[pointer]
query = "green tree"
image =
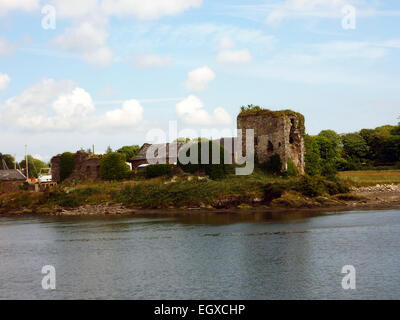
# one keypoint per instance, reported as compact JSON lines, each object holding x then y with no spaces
{"x":67,"y":165}
{"x":354,"y":145}
{"x":8,"y":159}
{"x":396,"y":130}
{"x":113,"y":166}
{"x":332,"y":136}
{"x":328,"y":153}
{"x":130,"y":152}
{"x":312,"y":157}
{"x":34,"y":166}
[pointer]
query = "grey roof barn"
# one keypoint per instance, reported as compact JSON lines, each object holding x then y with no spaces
{"x":11,"y":175}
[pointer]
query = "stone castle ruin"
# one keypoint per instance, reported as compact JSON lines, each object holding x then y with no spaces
{"x":85,"y":167}
{"x":280,"y":132}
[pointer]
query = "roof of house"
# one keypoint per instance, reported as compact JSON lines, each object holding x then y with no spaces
{"x":165,"y":146}
{"x":158,"y":147}
{"x":11,"y":175}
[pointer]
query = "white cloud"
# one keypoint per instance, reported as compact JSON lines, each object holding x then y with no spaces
{"x":153,"y":9}
{"x":234,"y":56}
{"x":307,"y":8}
{"x":151,"y":60}
{"x":89,"y":40}
{"x":5,"y":46}
{"x":49,"y":105}
{"x":26,"y":5}
{"x":130,"y":114}
{"x":191,"y":111}
{"x":78,"y":103}
{"x":75,"y":8}
{"x":4,"y":81}
{"x":199,"y":78}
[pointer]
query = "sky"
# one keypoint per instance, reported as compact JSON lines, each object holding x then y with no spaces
{"x":79,"y":73}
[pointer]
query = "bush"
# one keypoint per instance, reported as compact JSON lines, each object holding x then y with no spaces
{"x":158,"y":170}
{"x":313,"y":186}
{"x":273,"y":164}
{"x":113,"y":167}
{"x":273,"y":191}
{"x":67,"y":165}
{"x":214,"y":171}
{"x":291,"y":170}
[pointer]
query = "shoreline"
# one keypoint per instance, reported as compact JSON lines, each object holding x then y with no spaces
{"x":378,"y":197}
{"x":369,"y":200}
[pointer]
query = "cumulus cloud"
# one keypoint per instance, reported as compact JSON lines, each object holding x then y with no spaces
{"x":234,"y":56}
{"x":49,"y":105}
{"x":199,"y":78}
{"x":26,"y":5}
{"x":130,"y":114}
{"x":145,"y":10}
{"x":151,"y":60}
{"x":4,"y":81}
{"x":191,"y":111}
{"x":89,"y":40}
{"x":5,"y":46}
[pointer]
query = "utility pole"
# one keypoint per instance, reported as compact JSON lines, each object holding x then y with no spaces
{"x":26,"y":162}
{"x":93,"y":149}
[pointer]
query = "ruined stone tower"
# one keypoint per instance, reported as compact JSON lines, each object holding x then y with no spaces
{"x":280,"y":132}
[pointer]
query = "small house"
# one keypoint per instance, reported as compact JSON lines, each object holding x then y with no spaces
{"x":11,"y":180}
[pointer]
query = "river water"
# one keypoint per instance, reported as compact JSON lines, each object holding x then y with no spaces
{"x":219,"y":256}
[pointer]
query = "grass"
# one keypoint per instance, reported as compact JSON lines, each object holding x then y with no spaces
{"x":181,"y":191}
{"x":369,"y":178}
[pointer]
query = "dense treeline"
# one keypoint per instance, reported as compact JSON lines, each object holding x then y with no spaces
{"x":329,"y":152}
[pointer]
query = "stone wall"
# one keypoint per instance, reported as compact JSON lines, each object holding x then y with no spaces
{"x":280,"y":132}
{"x":86,"y":167}
{"x":10,"y":186}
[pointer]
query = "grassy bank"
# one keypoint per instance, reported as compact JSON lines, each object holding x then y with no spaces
{"x":370,"y":178}
{"x":182,"y":192}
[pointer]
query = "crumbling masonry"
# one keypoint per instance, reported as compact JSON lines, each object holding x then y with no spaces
{"x":280,"y":132}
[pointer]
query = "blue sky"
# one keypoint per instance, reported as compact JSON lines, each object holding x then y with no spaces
{"x":111,"y":71}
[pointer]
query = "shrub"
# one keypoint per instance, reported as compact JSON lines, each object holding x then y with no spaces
{"x":113,"y":167}
{"x":158,"y":170}
{"x":273,"y":191}
{"x":67,"y":164}
{"x":313,"y":186}
{"x":273,"y":164}
{"x":291,"y":170}
{"x":214,"y":171}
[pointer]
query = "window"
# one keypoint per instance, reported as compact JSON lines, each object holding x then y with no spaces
{"x":270,"y":147}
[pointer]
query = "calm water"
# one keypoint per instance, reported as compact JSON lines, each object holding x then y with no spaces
{"x":289,"y":256}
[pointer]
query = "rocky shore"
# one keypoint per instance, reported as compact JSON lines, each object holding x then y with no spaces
{"x":362,"y":198}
